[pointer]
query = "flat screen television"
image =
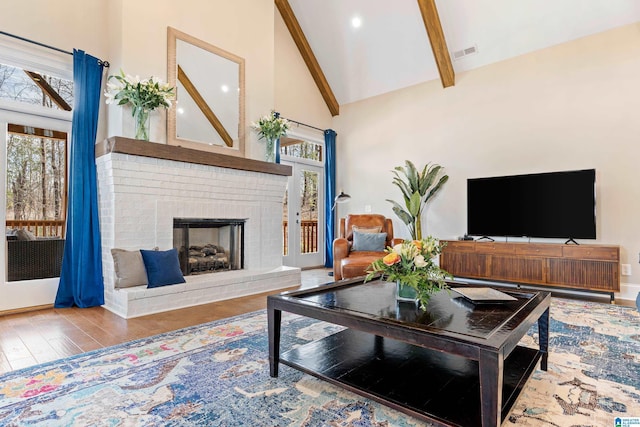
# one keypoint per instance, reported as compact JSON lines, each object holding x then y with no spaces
{"x":552,"y":205}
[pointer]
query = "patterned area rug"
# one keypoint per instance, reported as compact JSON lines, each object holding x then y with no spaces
{"x":217,"y":374}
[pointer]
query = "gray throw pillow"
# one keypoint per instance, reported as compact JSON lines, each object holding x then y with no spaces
{"x":373,"y":242}
{"x":129,"y":268}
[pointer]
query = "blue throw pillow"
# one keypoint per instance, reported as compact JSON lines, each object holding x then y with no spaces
{"x":369,"y":241}
{"x":163,"y":267}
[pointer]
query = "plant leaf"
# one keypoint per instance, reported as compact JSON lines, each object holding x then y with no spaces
{"x":415,"y":203}
{"x":400,"y":212}
{"x":412,"y":176}
{"x":436,"y":188}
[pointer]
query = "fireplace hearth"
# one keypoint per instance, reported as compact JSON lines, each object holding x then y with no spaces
{"x":209,"y":245}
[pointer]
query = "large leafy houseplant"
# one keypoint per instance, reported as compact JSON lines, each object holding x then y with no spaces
{"x":417,"y":187}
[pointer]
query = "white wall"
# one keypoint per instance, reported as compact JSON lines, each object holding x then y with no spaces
{"x":67,"y":24}
{"x":572,"y":106}
{"x":296,"y":95}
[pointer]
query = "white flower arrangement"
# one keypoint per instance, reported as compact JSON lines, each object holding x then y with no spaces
{"x":147,"y":94}
{"x":412,"y":263}
{"x":271,"y":126}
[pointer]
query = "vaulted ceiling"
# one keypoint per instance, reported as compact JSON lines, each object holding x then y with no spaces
{"x":401,"y":43}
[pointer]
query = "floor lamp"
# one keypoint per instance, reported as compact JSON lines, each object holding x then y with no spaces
{"x":340,"y":198}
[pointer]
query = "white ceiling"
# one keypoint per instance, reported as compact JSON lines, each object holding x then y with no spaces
{"x":391,"y":49}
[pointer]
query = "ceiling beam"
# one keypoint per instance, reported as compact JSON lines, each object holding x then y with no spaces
{"x":438,"y":43}
{"x":300,"y":40}
{"x":46,"y":88}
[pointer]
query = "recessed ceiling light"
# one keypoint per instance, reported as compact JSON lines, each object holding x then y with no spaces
{"x":180,"y":110}
{"x":356,"y":22}
{"x":224,"y":88}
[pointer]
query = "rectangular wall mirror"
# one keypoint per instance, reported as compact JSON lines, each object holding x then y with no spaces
{"x":209,"y":110}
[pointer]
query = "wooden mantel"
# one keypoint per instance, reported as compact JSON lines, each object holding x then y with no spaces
{"x":136,"y":147}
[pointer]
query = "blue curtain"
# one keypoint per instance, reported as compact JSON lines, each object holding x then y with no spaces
{"x":81,"y":282}
{"x":330,"y":193}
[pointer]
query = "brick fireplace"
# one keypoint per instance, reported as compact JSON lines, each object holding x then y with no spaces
{"x":144,"y":186}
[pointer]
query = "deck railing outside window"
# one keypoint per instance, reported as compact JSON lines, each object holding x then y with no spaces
{"x":40,"y":228}
{"x":308,"y":236}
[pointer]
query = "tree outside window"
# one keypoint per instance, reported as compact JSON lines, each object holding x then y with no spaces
{"x":36,"y":181}
{"x":35,"y":88}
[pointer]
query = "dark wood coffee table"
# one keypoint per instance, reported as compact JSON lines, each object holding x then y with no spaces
{"x":455,"y":364}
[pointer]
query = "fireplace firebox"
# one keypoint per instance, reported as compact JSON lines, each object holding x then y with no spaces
{"x":208,"y":245}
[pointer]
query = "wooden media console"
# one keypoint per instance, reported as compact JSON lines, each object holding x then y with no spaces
{"x":594,"y":268}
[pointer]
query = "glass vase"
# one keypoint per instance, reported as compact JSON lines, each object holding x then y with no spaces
{"x":405,"y":292}
{"x":141,"y":120}
{"x":270,"y":151}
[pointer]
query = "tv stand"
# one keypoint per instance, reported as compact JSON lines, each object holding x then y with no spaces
{"x":593,"y":268}
{"x":570,"y":241}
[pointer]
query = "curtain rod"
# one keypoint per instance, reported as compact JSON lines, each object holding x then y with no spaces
{"x":101,"y":62}
{"x":304,"y":124}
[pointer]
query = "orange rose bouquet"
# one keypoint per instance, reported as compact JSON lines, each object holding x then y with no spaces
{"x":412,"y":264}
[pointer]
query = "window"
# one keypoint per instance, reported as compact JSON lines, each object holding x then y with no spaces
{"x":36,"y":180}
{"x":35,"y":88}
{"x":301,"y":149}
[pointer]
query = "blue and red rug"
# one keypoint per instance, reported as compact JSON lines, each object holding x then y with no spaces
{"x":217,"y":374}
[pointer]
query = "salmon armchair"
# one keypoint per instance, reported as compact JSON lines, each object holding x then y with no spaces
{"x":350,"y":260}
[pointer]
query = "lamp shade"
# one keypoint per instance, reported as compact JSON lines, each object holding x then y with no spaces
{"x":340,"y":198}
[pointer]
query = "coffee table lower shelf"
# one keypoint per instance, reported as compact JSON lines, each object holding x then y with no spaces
{"x":424,"y":383}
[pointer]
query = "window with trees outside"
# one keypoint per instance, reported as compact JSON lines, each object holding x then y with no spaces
{"x":36,"y":172}
{"x":35,"y":88}
{"x":36,"y":180}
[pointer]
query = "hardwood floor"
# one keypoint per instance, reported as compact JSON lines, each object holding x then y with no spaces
{"x":27,"y":339}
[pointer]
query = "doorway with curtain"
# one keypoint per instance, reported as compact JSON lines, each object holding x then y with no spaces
{"x":303,"y":217}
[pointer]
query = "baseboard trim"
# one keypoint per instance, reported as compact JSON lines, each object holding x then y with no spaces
{"x":628,"y":291}
{"x":25,"y":309}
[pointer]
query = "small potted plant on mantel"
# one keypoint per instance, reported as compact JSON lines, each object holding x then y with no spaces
{"x":271,"y":127}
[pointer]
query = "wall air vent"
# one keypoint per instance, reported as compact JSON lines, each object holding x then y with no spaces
{"x":459,"y":54}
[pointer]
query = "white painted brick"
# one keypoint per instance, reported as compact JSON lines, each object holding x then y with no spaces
{"x":139,"y":197}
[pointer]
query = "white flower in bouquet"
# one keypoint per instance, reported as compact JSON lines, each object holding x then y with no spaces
{"x":412,"y":263}
{"x":271,"y":126}
{"x":147,"y":94}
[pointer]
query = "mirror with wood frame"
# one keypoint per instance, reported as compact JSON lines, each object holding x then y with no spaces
{"x":209,"y":110}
